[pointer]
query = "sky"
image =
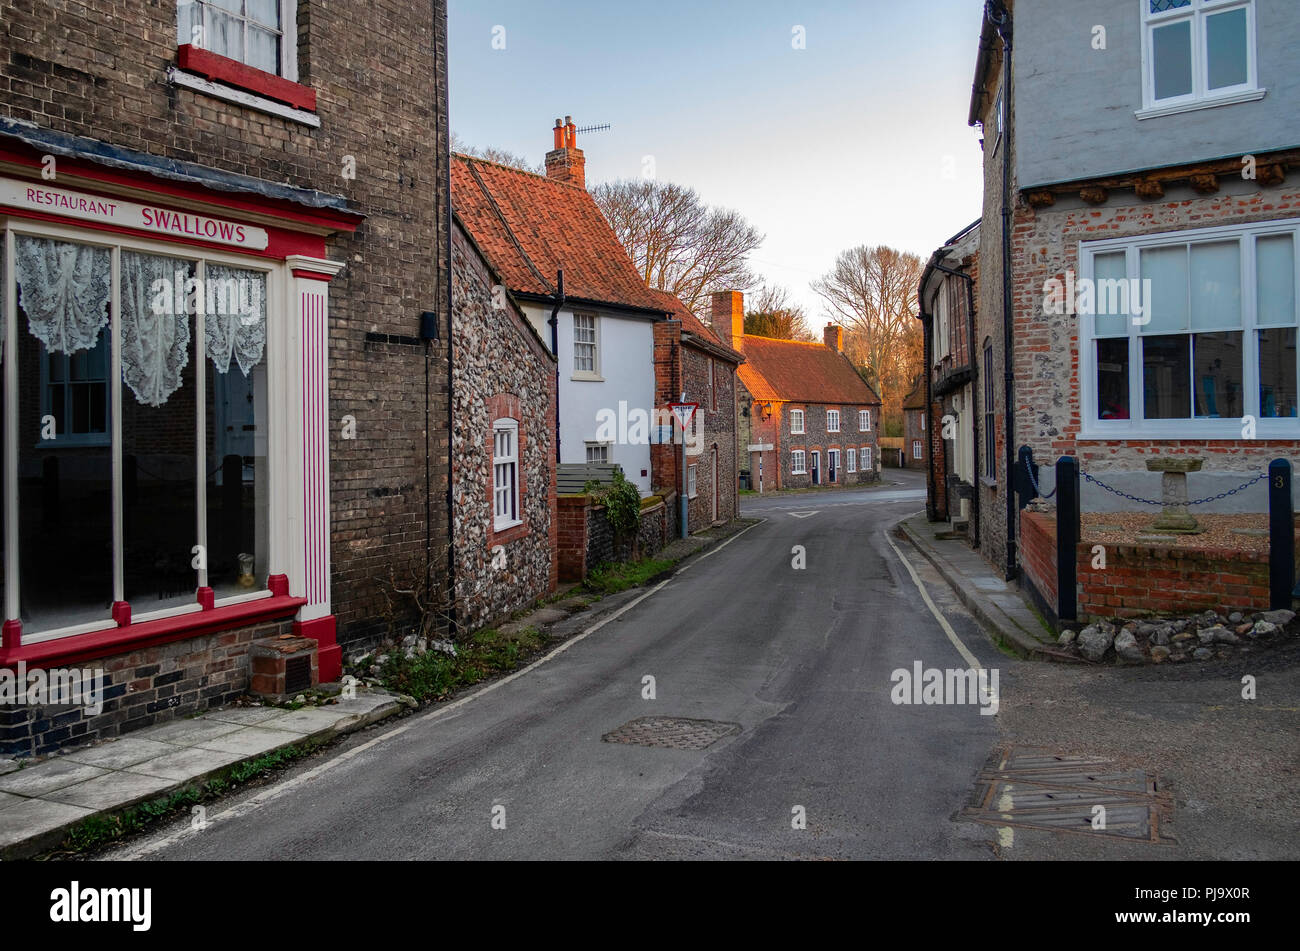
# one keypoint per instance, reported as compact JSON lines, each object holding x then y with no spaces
{"x":860,"y":137}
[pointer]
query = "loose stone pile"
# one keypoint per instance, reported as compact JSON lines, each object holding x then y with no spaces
{"x":1199,"y":637}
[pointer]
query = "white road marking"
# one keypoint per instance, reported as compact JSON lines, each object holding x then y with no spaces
{"x":970,"y":658}
{"x":239,"y":810}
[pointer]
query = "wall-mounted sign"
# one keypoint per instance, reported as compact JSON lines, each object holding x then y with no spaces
{"x":150,"y":218}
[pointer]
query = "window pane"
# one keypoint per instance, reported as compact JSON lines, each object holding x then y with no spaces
{"x":1165,"y":373}
{"x":188,"y":16}
{"x":1216,"y":285}
{"x":224,"y":34}
{"x":1275,"y":271}
{"x":1160,"y":6}
{"x":1112,"y":378}
{"x":1218,"y":375}
{"x":65,"y":483}
{"x":265,"y":11}
{"x":1110,"y":282}
{"x":1166,"y":269}
{"x":159,"y":441}
{"x":1171,"y":48}
{"x":1225,"y":39}
{"x":1277,"y":373}
{"x":263,"y":50}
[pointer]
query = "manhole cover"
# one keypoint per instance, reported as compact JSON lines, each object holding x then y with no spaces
{"x":1037,"y":789}
{"x":674,"y":733}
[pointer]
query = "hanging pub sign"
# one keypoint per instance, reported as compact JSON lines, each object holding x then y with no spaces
{"x":162,"y":221}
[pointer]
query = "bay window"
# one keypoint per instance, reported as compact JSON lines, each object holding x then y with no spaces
{"x":1212,"y":342}
{"x":135,"y":444}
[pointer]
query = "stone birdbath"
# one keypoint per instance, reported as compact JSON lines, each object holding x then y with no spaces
{"x":1174,"y":517}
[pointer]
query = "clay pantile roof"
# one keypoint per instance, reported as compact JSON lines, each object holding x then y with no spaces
{"x":794,"y":371}
{"x":692,"y":324}
{"x":529,"y":226}
{"x":916,"y":398}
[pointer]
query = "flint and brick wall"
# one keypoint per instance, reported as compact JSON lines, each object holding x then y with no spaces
{"x":816,"y":438}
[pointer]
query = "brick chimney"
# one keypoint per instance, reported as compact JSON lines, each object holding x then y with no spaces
{"x":729,"y":318}
{"x":833,"y":336}
{"x":566,"y":163}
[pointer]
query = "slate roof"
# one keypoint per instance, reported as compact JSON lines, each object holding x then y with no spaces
{"x":530,"y":225}
{"x":798,"y":372}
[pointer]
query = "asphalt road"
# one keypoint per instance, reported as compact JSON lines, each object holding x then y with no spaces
{"x":799,"y":659}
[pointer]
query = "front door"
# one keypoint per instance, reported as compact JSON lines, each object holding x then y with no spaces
{"x":832,"y":463}
{"x":817,"y":468}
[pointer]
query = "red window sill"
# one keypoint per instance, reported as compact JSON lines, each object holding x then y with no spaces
{"x":65,"y":651}
{"x":223,"y":69}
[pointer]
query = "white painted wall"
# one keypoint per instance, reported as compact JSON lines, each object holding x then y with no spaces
{"x":627,"y":375}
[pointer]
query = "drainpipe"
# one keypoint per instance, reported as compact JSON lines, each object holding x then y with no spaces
{"x":1000,"y":16}
{"x":555,"y":351}
{"x":445,"y":129}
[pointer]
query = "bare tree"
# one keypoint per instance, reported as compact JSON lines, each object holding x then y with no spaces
{"x":500,"y":156}
{"x":872,"y":292}
{"x":677,"y":242}
{"x":773,"y":314}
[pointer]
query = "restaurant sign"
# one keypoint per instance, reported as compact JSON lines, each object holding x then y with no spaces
{"x":161,"y":221}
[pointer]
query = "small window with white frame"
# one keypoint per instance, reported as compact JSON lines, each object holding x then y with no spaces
{"x":866,"y":459}
{"x":505,"y":474}
{"x":916,"y":449}
{"x":690,"y":484}
{"x":796,"y":421}
{"x":851,"y":457}
{"x":1210,"y":342}
{"x":1197,"y":53}
{"x":586,"y":346}
{"x":597,"y":453}
{"x":798,"y":462}
{"x":832,"y":421}
{"x":922,"y":415}
{"x":864,"y":420}
{"x":252,"y":32}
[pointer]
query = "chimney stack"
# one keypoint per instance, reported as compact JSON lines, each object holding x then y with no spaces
{"x":833,"y":336}
{"x":729,"y":318}
{"x":566,"y":163}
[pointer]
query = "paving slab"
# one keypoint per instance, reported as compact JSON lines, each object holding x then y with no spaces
{"x":245,"y":716}
{"x":190,"y":732}
{"x":116,"y":790}
{"x":31,"y":820}
{"x":191,"y":763}
{"x":48,"y":776}
{"x":310,"y":720}
{"x":8,"y":766}
{"x":250,"y":741}
{"x":9,"y":799}
{"x":119,"y":753}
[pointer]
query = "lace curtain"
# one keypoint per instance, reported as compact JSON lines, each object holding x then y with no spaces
{"x":64,"y":289}
{"x":235,"y":317}
{"x":155,"y":332}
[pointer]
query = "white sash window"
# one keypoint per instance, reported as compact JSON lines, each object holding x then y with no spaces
{"x":505,"y":474}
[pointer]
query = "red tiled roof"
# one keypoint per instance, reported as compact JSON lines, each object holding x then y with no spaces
{"x":529,"y":226}
{"x":794,"y":371}
{"x":916,"y":398}
{"x":692,"y":324}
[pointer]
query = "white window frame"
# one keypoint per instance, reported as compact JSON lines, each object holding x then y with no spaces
{"x":866,"y":459}
{"x":798,"y":462}
{"x":691,"y":477}
{"x":1201,"y":97}
{"x":918,"y":449}
{"x":500,"y":521}
{"x":832,"y":414}
{"x":797,"y":413}
{"x":864,"y":420}
{"x":607,"y":447}
{"x":851,"y":457}
{"x":713,"y":386}
{"x":1137,"y":427}
{"x":287,"y":32}
{"x":594,"y":343}
{"x":922,"y":415}
{"x":277,"y":315}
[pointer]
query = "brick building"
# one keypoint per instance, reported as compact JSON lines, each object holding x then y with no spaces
{"x":691,"y":361}
{"x":916,"y":428}
{"x":812,"y":419}
{"x":182,"y":479}
{"x":1150,"y":302}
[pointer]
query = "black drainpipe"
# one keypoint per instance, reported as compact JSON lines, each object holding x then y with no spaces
{"x":555,"y":351}
{"x":1000,"y":16}
{"x":445,"y":122}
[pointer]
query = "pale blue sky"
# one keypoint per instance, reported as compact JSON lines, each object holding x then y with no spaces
{"x":861,"y":137}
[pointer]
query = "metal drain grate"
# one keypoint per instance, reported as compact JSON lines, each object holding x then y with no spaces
{"x":1036,"y":789}
{"x":674,"y":733}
